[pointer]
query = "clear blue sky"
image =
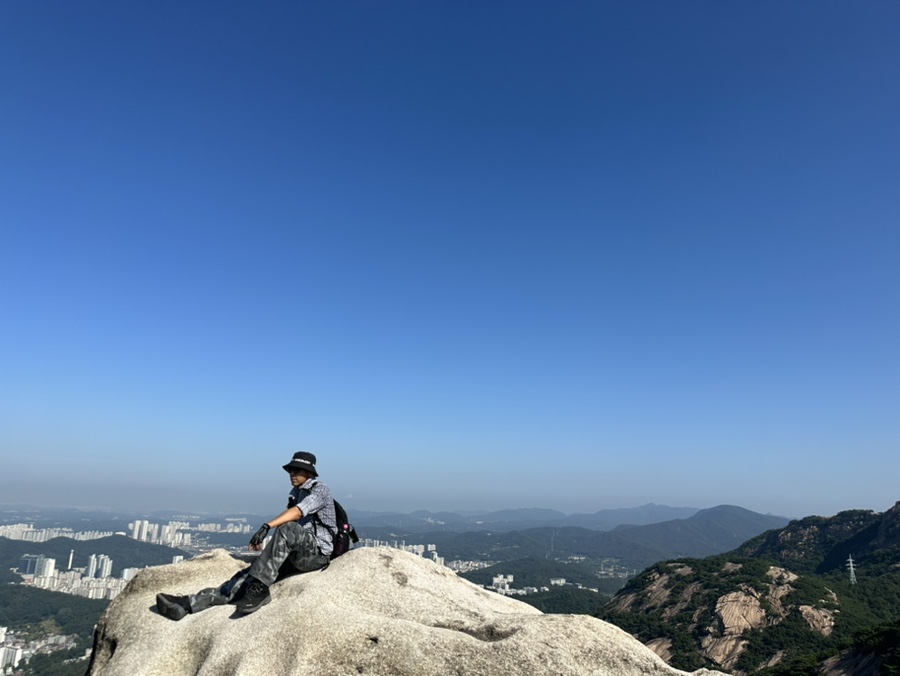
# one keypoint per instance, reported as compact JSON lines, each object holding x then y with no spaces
{"x":492,"y":254}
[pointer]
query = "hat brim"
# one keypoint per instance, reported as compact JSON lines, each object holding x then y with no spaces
{"x":297,"y":465}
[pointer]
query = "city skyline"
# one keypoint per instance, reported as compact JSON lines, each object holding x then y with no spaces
{"x":472,"y":256}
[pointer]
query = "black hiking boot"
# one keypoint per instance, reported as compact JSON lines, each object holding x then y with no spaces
{"x":255,"y":596}
{"x":173,"y":607}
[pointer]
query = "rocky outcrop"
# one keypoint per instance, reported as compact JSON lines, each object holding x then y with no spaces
{"x":818,"y":619}
{"x":723,"y":650}
{"x":373,"y":611}
{"x":653,"y":595}
{"x":684,"y":599}
{"x":662,"y":647}
{"x":782,"y":575}
{"x":737,"y":613}
{"x":779,"y":588}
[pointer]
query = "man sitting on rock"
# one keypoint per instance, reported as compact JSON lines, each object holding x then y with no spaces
{"x":301,"y":542}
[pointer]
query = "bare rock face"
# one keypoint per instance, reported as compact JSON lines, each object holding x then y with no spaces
{"x":662,"y":647}
{"x":653,"y":596}
{"x":779,"y":588}
{"x":374,"y":611}
{"x":818,"y":619}
{"x":737,"y":613}
{"x":724,"y":650}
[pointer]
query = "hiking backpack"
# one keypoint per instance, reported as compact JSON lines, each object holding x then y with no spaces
{"x":345,"y":535}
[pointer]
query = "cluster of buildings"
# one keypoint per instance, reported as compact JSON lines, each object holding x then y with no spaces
{"x":429,"y":552}
{"x":425,"y":551}
{"x":13,"y":650}
{"x":169,"y":535}
{"x":608,"y":568}
{"x":239,"y":525}
{"x":502,"y":584}
{"x":28,"y":533}
{"x":95,"y":581}
{"x":177,"y":534}
{"x":460,"y":566}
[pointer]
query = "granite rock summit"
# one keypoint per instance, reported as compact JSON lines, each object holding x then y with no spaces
{"x":374,"y":611}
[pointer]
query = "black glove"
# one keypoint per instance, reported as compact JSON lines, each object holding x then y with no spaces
{"x":259,"y":536}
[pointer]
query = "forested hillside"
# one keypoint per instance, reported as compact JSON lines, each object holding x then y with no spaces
{"x":22,"y":607}
{"x":782,"y":603}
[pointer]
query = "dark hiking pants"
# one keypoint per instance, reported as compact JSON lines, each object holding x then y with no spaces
{"x":292,"y":549}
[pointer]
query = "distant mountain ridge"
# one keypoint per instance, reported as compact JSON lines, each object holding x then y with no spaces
{"x":519,"y":519}
{"x":710,"y":531}
{"x":707,"y":532}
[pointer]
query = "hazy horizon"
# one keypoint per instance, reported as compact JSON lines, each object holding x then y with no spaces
{"x":573,"y":256}
{"x":263,"y":512}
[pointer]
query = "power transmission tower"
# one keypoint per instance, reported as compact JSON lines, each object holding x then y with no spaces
{"x":852,"y":569}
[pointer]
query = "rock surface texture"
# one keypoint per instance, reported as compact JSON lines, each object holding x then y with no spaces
{"x":374,"y":611}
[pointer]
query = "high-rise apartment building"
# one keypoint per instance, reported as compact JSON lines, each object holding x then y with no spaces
{"x":47,"y":568}
{"x":28,"y":563}
{"x":37,"y":565}
{"x":99,"y":566}
{"x":10,"y":657}
{"x":105,"y":566}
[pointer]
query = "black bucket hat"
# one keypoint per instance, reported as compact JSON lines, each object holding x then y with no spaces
{"x":302,"y":460}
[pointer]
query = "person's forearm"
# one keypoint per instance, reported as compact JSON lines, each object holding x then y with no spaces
{"x":288,"y":515}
